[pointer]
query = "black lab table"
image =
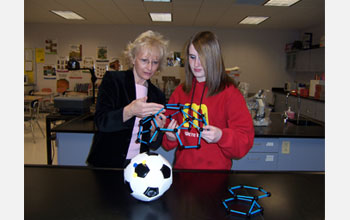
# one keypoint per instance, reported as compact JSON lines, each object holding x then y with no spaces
{"x":56,"y":192}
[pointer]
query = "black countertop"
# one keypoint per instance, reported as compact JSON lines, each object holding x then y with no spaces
{"x":85,"y":124}
{"x":58,"y":192}
{"x":281,"y":91}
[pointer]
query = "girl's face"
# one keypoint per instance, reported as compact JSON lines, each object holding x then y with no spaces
{"x":195,"y":64}
{"x":146,"y":63}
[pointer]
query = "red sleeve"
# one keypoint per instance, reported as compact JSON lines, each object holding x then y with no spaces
{"x":238,"y":138}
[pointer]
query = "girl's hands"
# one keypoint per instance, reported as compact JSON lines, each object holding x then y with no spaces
{"x":211,"y":134}
{"x":171,"y":135}
{"x":160,"y":120}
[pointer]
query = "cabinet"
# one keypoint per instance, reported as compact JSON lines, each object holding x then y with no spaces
{"x":262,"y":156}
{"x":312,"y":60}
{"x":284,"y":154}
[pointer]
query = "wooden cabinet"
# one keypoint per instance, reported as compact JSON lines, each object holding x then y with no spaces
{"x":312,"y":60}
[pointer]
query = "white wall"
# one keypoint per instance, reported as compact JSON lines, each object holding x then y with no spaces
{"x":259,"y":53}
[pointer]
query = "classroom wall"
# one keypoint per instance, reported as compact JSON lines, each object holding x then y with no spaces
{"x":258,"y":53}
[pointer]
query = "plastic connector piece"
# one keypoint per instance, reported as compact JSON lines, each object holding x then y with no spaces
{"x":254,"y":206}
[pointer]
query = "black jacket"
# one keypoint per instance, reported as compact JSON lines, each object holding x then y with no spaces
{"x":111,"y":141}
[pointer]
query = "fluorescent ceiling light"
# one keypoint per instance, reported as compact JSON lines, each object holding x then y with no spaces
{"x":253,"y":20}
{"x":165,"y":17}
{"x":68,"y":15}
{"x":157,"y":0}
{"x":284,"y":3}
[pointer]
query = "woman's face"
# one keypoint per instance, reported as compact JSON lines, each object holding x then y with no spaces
{"x":195,"y":64}
{"x":146,"y":63}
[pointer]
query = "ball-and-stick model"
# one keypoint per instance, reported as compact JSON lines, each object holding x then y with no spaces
{"x":181,"y":109}
{"x":253,"y":200}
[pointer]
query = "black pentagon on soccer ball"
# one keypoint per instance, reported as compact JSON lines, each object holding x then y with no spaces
{"x":151,"y":192}
{"x":165,"y":171}
{"x":128,"y":186}
{"x":151,"y":153}
{"x":141,"y":170}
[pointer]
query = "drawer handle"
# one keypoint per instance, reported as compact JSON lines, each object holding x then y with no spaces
{"x":269,"y":144}
{"x":253,"y":158}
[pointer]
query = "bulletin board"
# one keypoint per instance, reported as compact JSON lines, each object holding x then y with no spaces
{"x":29,"y":66}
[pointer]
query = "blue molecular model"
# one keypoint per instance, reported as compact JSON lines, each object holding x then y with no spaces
{"x":253,"y":200}
{"x":187,"y":119}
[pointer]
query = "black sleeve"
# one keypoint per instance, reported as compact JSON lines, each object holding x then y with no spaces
{"x":110,"y":105}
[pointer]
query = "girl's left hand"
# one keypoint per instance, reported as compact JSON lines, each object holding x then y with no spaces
{"x":211,"y":134}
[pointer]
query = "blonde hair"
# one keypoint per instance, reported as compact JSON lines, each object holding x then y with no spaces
{"x":147,"y":40}
{"x":207,"y":45}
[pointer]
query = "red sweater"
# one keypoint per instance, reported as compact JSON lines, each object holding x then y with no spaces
{"x":227,"y":111}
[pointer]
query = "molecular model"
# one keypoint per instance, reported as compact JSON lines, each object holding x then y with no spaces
{"x":187,"y":119}
{"x":254,"y":205}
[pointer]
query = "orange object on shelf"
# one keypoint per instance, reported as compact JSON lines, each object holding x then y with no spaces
{"x":293,"y":92}
{"x":304,"y":92}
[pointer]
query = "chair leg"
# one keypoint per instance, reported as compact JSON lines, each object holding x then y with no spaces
{"x":40,"y":128}
{"x":32,"y":128}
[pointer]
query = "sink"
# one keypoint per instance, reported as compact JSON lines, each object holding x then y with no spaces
{"x":303,"y":122}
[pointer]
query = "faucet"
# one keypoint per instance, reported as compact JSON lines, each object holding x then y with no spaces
{"x":287,"y":99}
{"x":284,"y":115}
{"x":299,"y":105}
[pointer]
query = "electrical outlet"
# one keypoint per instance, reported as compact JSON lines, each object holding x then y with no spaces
{"x":285,"y":147}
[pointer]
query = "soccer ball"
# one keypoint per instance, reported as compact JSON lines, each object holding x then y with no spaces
{"x":148,"y":176}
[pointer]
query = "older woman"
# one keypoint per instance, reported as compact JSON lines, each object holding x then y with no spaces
{"x":124,"y":97}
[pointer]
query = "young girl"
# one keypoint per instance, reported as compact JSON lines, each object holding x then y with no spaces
{"x":208,"y":90}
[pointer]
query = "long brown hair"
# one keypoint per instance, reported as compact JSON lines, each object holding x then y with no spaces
{"x":207,"y":45}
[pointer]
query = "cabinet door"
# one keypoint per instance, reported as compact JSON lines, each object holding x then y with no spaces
{"x":303,"y":61}
{"x":280,"y":102}
{"x":317,"y":60}
{"x":257,"y":161}
{"x":302,"y":154}
{"x":291,"y":61}
{"x":319,"y":111}
{"x":262,"y":156}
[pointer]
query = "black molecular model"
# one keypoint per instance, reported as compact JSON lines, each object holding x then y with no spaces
{"x":187,"y":119}
{"x":254,"y":205}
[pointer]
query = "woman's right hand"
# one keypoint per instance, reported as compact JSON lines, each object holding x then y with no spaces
{"x":171,"y":135}
{"x":140,"y":108}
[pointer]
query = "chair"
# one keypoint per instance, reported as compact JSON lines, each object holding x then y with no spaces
{"x":47,"y":102}
{"x":32,"y":115}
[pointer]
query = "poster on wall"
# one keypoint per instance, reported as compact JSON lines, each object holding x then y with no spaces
{"x":115,"y":64}
{"x":49,"y":71}
{"x":62,"y":64}
{"x":75,"y":52}
{"x":39,"y":55}
{"x":50,"y":46}
{"x":101,"y":68}
{"x":102,"y":53}
{"x":88,"y":62}
{"x":75,"y":74}
{"x":28,"y":65}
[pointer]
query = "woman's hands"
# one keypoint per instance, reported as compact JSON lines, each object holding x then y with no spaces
{"x":140,"y":108}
